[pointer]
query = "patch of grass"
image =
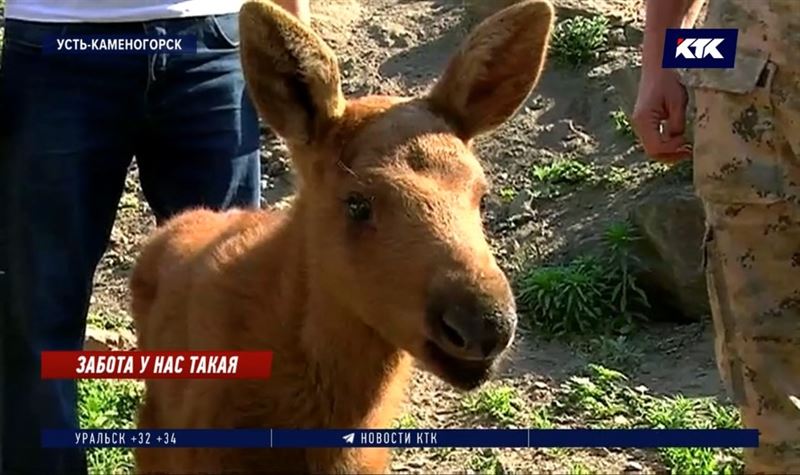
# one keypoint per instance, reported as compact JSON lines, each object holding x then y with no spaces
{"x":563,"y":174}
{"x":501,"y":404}
{"x":564,"y":171}
{"x":578,"y":468}
{"x":540,"y":418}
{"x":485,"y":462}
{"x":578,"y":41}
{"x":109,"y":321}
{"x":507,"y":194}
{"x":406,"y":421}
{"x":695,"y":413}
{"x":108,"y":404}
{"x":619,"y":352}
{"x":601,"y":397}
{"x":619,"y":177}
{"x":593,"y":294}
{"x":622,"y":124}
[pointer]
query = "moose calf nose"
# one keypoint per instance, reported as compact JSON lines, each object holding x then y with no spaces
{"x":474,"y":335}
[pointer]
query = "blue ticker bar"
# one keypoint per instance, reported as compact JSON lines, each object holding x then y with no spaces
{"x":401,"y":438}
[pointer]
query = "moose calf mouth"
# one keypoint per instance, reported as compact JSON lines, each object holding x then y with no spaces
{"x":461,"y":373}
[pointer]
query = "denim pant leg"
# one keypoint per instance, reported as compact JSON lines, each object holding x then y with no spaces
{"x":202,"y":139}
{"x":68,"y":127}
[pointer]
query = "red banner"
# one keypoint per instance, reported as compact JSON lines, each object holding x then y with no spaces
{"x":156,"y":364}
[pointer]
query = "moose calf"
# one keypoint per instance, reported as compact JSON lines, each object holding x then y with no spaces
{"x":381,"y":258}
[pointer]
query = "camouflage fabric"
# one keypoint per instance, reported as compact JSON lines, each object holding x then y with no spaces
{"x":771,"y":26}
{"x":747,"y":171}
{"x":753,"y":272}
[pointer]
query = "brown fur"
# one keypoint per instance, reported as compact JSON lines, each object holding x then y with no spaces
{"x":342,"y":304}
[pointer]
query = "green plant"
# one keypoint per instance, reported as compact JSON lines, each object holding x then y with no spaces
{"x":593,"y":294}
{"x":577,"y":468}
{"x":618,"y":176}
{"x":507,"y":194}
{"x":577,"y":41}
{"x":568,"y":299}
{"x":689,"y":460}
{"x":564,"y":171}
{"x":619,"y":352}
{"x":680,"y":412}
{"x":406,"y":421}
{"x":602,"y":397}
{"x":622,"y":124}
{"x":561,"y":175}
{"x":500,"y":403}
{"x":539,"y":418}
{"x":107,"y":404}
{"x":622,"y":263}
{"x":486,"y":462}
{"x":109,"y":321}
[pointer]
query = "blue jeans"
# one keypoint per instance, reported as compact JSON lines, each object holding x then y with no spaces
{"x":69,"y":128}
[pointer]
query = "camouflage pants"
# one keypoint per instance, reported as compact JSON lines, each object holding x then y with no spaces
{"x":747,"y":171}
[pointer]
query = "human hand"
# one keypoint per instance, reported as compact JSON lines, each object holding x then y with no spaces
{"x":659,"y":117}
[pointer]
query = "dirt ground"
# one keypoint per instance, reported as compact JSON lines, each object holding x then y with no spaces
{"x":399,"y":46}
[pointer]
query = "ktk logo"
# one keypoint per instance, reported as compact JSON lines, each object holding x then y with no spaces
{"x":700,"y":48}
{"x":696,"y":48}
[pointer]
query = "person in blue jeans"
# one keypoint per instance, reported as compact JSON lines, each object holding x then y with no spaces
{"x":70,"y":126}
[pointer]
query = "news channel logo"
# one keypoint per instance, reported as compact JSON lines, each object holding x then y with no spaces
{"x":713,"y":48}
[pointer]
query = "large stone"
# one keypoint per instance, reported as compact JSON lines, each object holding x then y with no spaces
{"x":671,"y":223}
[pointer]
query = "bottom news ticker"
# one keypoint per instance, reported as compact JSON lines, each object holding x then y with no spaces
{"x":401,"y":438}
{"x":257,"y":365}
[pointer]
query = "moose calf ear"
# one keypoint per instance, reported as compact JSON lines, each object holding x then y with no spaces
{"x":496,"y":68}
{"x":292,"y":75}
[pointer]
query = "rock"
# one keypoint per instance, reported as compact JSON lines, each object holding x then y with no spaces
{"x":399,"y":467}
{"x":671,"y":222}
{"x":633,"y":466}
{"x":520,"y":205}
{"x":390,"y":35}
{"x":616,"y":37}
{"x":633,"y":35}
{"x":277,"y":167}
{"x":100,"y":339}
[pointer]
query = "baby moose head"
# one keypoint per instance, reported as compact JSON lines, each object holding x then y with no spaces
{"x":390,"y":191}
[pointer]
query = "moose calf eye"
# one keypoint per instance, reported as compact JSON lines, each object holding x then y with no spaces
{"x":359,"y":208}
